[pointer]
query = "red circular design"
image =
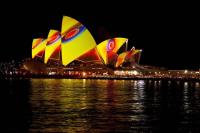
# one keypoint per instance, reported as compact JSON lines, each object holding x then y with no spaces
{"x":111,"y":45}
{"x":71,"y":33}
{"x":53,"y":38}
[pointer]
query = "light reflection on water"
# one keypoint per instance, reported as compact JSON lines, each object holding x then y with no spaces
{"x":69,"y":105}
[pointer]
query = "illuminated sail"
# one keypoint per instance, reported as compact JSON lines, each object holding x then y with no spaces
{"x":91,"y":56}
{"x":121,"y":59}
{"x":38,"y":47}
{"x":76,"y":40}
{"x":102,"y":50}
{"x":53,"y":46}
{"x":108,"y":48}
{"x":115,"y":44}
{"x":133,"y":56}
{"x":130,"y":53}
{"x":137,"y":56}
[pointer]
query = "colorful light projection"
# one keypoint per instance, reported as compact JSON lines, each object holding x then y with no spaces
{"x":76,"y":40}
{"x":121,"y":59}
{"x":53,"y":46}
{"x":91,"y":56}
{"x":137,"y":56}
{"x":38,"y":47}
{"x":131,"y":56}
{"x":109,"y":47}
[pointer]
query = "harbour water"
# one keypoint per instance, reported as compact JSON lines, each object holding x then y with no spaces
{"x":99,"y":106}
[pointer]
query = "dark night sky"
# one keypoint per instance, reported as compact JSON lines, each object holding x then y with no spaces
{"x":168,"y":33}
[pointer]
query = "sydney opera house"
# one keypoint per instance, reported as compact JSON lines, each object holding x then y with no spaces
{"x":74,"y":48}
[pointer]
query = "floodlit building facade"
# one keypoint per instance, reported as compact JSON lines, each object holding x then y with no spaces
{"x":75,"y":42}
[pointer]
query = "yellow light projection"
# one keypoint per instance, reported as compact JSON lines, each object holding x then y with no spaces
{"x":53,"y":44}
{"x":135,"y":51}
{"x":91,"y":56}
{"x":132,"y":55}
{"x":137,"y":56}
{"x":110,"y":46}
{"x":119,"y":42}
{"x":76,"y":40}
{"x":102,"y":50}
{"x":121,"y":59}
{"x":38,"y":47}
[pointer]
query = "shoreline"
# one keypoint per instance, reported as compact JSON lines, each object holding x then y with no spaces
{"x":103,"y":78}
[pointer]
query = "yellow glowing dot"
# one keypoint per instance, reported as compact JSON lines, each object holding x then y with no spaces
{"x":135,"y":72}
{"x":84,"y":73}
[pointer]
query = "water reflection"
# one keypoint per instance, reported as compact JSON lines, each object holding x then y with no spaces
{"x":85,"y":105}
{"x":197,"y":85}
{"x":186,"y":100}
{"x":66,"y":105}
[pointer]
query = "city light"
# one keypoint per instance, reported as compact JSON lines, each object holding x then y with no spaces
{"x":135,"y":72}
{"x":52,"y":73}
{"x":186,"y":71}
{"x":84,"y":74}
